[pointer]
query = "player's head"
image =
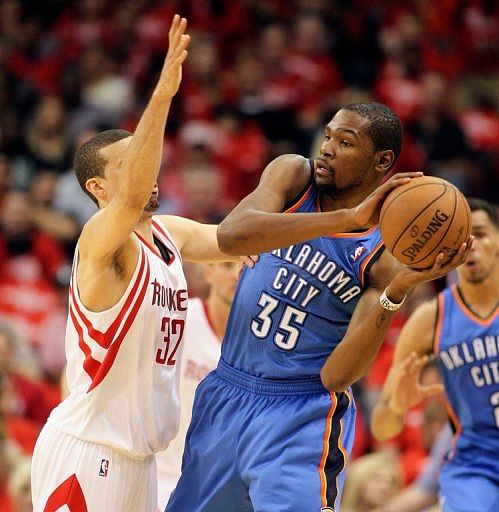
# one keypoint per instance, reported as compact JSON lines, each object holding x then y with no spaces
{"x":484,"y":254}
{"x":222,"y":278}
{"x":362,"y":143}
{"x":98,"y":163}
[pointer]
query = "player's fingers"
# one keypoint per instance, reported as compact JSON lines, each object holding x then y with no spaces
{"x":432,"y":390}
{"x":173,"y":26}
{"x":418,"y":363}
{"x":467,"y":247}
{"x":248,"y":261}
{"x":176,"y":31}
{"x":401,"y":178}
{"x":407,"y":174}
{"x":178,"y":50}
{"x":437,"y":264}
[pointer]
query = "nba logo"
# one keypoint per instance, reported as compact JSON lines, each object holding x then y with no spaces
{"x":104,"y":466}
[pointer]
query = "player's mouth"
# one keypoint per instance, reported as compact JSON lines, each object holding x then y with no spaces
{"x":471,"y":264}
{"x":322,"y":169}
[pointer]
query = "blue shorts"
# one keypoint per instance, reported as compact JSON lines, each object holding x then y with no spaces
{"x":256,"y":445}
{"x":470,"y":483}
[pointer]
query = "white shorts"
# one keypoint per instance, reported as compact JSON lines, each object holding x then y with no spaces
{"x":89,"y":477}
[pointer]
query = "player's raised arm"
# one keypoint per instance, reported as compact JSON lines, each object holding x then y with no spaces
{"x":196,"y":241}
{"x":132,"y":163}
{"x":402,"y":389}
{"x":257,"y":224}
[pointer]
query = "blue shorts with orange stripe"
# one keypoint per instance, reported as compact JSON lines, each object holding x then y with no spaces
{"x":469,"y":482}
{"x":258,"y":445}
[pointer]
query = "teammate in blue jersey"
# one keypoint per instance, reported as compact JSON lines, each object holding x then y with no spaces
{"x":273,"y":424}
{"x":461,"y":328}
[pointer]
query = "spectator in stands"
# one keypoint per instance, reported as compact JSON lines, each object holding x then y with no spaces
{"x":371,"y":480}
{"x":46,"y":218}
{"x":438,"y":133}
{"x":19,"y":485}
{"x":423,"y":493}
{"x":69,"y":198}
{"x":30,"y":261}
{"x":46,"y":139}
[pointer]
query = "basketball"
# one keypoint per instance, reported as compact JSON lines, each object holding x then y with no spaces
{"x":426,"y":216}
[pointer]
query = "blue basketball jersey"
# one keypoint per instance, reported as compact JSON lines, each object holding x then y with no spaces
{"x":468,"y":347}
{"x":293,"y":308}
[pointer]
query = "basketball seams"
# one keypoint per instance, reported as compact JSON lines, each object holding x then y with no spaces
{"x":425,"y":207}
{"x":445,"y":232}
{"x":386,"y":204}
{"x":437,"y":210}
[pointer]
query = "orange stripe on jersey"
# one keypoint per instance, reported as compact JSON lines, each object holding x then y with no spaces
{"x":467,"y":311}
{"x":438,"y":325}
{"x":300,"y":201}
{"x":367,"y":260}
{"x":353,"y":234}
{"x":436,"y":349}
{"x":454,"y":420}
{"x":325,"y":450}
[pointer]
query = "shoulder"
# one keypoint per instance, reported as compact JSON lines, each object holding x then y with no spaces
{"x":287,"y":175}
{"x":290,"y":165}
{"x":426,"y":313}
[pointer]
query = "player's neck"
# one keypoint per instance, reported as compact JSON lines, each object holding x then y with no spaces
{"x":219,"y":314}
{"x":482,"y":297}
{"x":144,"y":228}
{"x":345,"y":199}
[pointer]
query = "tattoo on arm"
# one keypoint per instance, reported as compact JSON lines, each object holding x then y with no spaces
{"x":380,"y":320}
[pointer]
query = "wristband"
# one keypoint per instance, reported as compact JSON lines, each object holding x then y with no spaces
{"x":387,"y":304}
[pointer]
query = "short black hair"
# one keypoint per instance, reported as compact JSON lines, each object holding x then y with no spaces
{"x":385,"y":130}
{"x":483,"y":205}
{"x":88,"y":162}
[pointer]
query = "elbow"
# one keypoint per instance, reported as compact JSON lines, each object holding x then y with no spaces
{"x":228,"y":240}
{"x":336,"y":383}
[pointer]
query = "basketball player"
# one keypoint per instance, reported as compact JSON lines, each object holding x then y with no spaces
{"x":128,"y":302}
{"x":461,"y":328}
{"x":205,"y":326}
{"x":272,"y":426}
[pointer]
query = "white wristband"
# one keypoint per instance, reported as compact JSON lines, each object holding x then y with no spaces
{"x":387,"y":304}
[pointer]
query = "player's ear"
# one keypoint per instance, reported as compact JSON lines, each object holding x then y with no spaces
{"x":94,"y":186}
{"x":385,"y":161}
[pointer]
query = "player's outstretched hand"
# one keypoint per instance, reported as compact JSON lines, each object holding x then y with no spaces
{"x":407,"y":390}
{"x":171,"y":74}
{"x":412,"y":277}
{"x":366,"y":214}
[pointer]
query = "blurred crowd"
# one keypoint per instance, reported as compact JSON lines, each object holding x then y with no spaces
{"x":262,"y":78}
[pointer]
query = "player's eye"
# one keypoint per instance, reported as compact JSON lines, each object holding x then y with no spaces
{"x":345,"y":143}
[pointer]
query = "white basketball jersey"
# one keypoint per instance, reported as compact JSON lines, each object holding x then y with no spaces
{"x":201,"y":355}
{"x":123,"y":363}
